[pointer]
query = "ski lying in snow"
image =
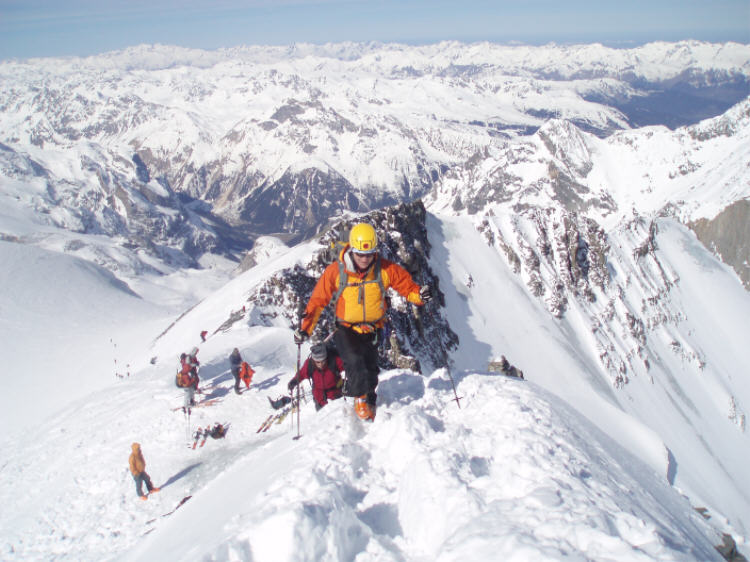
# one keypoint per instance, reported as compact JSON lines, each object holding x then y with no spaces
{"x":265,"y":423}
{"x":277,"y":418}
{"x":200,"y":434}
{"x":199,"y":404}
{"x":282,"y":416}
{"x":167,"y":514}
{"x":182,"y":501}
{"x":196,"y":438}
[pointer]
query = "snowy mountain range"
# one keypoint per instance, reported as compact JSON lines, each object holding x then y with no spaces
{"x":571,"y":216}
{"x":183,"y":152}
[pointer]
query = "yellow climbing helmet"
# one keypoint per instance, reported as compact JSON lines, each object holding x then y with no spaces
{"x":363,"y":239}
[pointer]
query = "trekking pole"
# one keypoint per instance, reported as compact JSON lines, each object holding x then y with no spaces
{"x":299,"y":352}
{"x":187,"y":424}
{"x":448,"y":370}
{"x":447,"y":366}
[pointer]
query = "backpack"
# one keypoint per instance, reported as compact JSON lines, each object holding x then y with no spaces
{"x":183,"y":379}
{"x":246,"y":373}
{"x":218,"y":431}
{"x":344,"y":282}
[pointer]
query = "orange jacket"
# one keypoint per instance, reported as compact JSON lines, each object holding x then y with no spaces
{"x":136,"y":461}
{"x":362,"y":301}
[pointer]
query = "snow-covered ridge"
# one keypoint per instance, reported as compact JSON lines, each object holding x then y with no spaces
{"x":513,"y":453}
{"x":694,"y":172}
{"x":580,"y":274}
{"x":279,"y":140}
{"x":653,"y":61}
{"x":426,"y":480}
{"x":170,"y":157}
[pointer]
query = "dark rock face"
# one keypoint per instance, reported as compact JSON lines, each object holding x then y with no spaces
{"x":418,"y":336}
{"x":299,"y":202}
{"x":566,"y":258}
{"x":728,"y":235}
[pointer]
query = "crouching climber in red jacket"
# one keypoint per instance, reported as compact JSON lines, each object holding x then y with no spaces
{"x":323,"y":368}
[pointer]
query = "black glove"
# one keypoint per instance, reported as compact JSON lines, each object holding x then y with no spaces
{"x":300,"y":336}
{"x":292,"y":383}
{"x":425,"y":293}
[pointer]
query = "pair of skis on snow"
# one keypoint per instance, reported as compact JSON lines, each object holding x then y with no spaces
{"x":200,"y":404}
{"x":277,"y":417}
{"x":218,"y":431}
{"x":201,"y":435}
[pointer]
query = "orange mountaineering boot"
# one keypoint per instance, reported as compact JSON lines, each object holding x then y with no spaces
{"x":364,"y":410}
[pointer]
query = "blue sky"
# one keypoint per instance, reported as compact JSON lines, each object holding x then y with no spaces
{"x":31,"y":28}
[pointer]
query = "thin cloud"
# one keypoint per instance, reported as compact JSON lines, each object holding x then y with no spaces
{"x":46,"y":11}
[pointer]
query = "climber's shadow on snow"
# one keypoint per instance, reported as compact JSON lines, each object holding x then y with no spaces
{"x":440,"y":384}
{"x":183,"y":472}
{"x":211,"y":386}
{"x":404,"y":388}
{"x":226,"y":377}
{"x":215,"y":392}
{"x":215,"y":373}
{"x":269,"y":382}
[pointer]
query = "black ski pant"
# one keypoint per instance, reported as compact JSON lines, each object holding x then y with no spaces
{"x":359,"y":352}
{"x":236,"y":375}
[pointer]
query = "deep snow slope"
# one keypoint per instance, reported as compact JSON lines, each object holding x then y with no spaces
{"x":65,"y":325}
{"x":656,"y":359}
{"x":513,"y":473}
{"x":70,"y":327}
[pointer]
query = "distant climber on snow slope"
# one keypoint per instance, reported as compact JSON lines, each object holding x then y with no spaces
{"x":187,"y":377}
{"x":137,"y":466}
{"x":235,"y":362}
{"x":357,"y":283}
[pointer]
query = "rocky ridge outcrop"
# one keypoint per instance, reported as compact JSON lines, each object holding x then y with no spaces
{"x":418,"y":337}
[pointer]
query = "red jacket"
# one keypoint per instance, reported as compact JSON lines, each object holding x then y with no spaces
{"x":189,"y":372}
{"x":325,"y":383}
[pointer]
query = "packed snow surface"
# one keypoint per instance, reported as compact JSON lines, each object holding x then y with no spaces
{"x":518,"y":470}
{"x":569,"y":463}
{"x":513,"y":473}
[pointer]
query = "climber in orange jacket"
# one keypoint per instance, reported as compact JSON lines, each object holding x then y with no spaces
{"x":137,"y":466}
{"x":360,"y":308}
